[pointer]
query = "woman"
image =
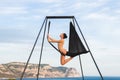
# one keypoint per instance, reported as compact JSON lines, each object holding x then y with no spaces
{"x":61,"y":48}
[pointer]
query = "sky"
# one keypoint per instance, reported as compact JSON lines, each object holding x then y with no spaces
{"x":99,"y":20}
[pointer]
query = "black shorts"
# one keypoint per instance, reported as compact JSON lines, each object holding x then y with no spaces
{"x":71,"y":54}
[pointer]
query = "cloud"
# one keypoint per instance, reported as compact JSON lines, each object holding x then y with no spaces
{"x":14,"y":52}
{"x":88,"y":4}
{"x":29,"y":1}
{"x":98,"y":16}
{"x":47,"y":1}
{"x":117,"y":11}
{"x":48,"y":11}
{"x":12,"y":10}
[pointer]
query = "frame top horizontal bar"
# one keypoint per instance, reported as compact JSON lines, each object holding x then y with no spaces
{"x":59,"y":17}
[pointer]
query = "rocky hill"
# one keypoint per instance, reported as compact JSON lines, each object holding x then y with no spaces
{"x":15,"y":69}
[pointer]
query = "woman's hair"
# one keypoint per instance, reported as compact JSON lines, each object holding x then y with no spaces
{"x":64,"y":35}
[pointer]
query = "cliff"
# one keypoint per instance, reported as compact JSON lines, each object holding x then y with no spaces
{"x":15,"y":69}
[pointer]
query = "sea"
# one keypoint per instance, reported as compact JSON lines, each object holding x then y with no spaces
{"x":78,"y":78}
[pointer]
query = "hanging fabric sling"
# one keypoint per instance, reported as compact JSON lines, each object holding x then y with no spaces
{"x":76,"y":47}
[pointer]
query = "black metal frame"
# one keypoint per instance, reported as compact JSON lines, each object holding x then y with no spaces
{"x":59,"y":17}
{"x":45,"y":22}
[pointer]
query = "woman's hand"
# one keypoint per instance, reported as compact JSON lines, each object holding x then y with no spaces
{"x":52,"y":40}
{"x":48,"y":38}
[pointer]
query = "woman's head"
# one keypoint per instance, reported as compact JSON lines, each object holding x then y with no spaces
{"x":63,"y":35}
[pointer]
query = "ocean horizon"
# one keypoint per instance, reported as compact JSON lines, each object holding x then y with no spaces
{"x":76,"y":78}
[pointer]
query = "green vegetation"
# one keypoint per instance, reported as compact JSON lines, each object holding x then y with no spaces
{"x":11,"y":79}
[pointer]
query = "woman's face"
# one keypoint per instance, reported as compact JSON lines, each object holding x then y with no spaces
{"x":61,"y":35}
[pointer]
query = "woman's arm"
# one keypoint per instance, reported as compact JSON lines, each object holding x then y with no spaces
{"x":53,"y":40}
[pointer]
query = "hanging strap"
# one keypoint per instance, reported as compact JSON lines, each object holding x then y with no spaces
{"x":50,"y":42}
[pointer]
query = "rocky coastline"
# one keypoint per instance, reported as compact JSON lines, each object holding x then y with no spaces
{"x":15,"y":69}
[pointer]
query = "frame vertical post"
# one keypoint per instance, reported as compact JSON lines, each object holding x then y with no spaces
{"x":41,"y":50}
{"x":32,"y":51}
{"x":80,"y":62}
{"x":89,"y":50}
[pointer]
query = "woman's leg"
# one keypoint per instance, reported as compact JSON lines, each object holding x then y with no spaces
{"x":64,"y":61}
{"x":64,"y":51}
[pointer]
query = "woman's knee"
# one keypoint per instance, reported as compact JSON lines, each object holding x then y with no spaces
{"x":62,"y":62}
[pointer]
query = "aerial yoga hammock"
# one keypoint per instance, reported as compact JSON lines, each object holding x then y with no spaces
{"x":76,"y":46}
